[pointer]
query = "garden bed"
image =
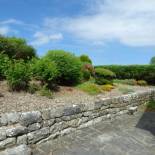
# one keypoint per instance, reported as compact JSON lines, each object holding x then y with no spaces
{"x":22,"y":101}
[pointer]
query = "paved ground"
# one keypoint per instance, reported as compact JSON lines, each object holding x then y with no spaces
{"x":128,"y":135}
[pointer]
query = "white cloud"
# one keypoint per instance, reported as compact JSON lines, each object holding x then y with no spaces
{"x":42,"y":38}
{"x":10,"y":21}
{"x":131,"y":22}
{"x":24,"y":25}
{"x":4,"y":30}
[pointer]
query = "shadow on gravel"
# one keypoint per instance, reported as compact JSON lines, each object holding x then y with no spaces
{"x":147,"y":122}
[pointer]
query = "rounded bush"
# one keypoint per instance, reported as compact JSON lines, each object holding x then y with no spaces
{"x":69,"y":66}
{"x":103,"y":76}
{"x":101,"y":72}
{"x":18,"y":75}
{"x":45,"y":71}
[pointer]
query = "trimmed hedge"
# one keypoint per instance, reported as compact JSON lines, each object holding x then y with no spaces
{"x":137,"y":72}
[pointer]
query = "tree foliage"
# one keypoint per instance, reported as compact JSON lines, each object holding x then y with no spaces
{"x":152,"y":62}
{"x":16,"y":48}
{"x":85,"y":59}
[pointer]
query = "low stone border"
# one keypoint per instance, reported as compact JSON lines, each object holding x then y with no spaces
{"x":36,"y":126}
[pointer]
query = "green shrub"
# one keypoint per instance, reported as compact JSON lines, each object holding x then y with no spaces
{"x":142,"y":83}
{"x":85,"y":59}
{"x":18,"y":76}
{"x":86,"y":75}
{"x":4,"y":64}
{"x":89,"y":88}
{"x":103,"y":76}
{"x":137,"y":72}
{"x":105,"y":73}
{"x":16,"y":48}
{"x":69,"y":66}
{"x":126,"y":81}
{"x":45,"y":71}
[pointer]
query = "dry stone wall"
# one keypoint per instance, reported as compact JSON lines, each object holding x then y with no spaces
{"x":26,"y":128}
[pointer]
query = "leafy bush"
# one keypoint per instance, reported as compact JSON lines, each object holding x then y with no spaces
{"x":45,"y":71}
{"x":16,"y":48}
{"x":86,"y":74}
{"x":103,"y":76}
{"x":137,"y":72}
{"x":85,"y":59}
{"x":69,"y":66}
{"x":142,"y":83}
{"x":4,"y":64}
{"x":18,"y":75}
{"x":107,"y":87}
{"x":89,"y":88}
{"x":126,"y":81}
{"x":105,"y":73}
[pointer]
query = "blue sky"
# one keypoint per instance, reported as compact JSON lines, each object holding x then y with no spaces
{"x":109,"y":31}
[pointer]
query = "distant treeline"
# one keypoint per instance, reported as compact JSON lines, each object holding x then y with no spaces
{"x":138,"y":72}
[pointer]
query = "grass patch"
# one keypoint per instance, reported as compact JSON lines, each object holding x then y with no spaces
{"x":125,"y":90}
{"x":131,"y":82}
{"x":89,"y":88}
